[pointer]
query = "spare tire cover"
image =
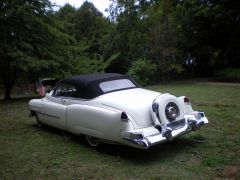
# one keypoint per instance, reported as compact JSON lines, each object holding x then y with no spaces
{"x":166,"y":109}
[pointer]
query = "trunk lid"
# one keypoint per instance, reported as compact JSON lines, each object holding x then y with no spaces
{"x":135,"y":102}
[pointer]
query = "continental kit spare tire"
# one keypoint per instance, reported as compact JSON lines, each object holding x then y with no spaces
{"x":166,"y":109}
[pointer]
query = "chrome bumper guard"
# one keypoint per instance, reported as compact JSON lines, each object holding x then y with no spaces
{"x":150,"y":136}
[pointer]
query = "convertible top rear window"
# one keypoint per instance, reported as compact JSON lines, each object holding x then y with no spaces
{"x":116,"y":85}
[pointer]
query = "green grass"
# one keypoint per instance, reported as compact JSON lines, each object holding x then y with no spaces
{"x":29,"y":152}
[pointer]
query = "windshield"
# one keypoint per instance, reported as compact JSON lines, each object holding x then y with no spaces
{"x":116,"y":85}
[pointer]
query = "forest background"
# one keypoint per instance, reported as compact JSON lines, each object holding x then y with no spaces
{"x":151,"y":40}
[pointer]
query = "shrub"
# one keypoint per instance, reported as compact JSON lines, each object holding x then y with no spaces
{"x":143,"y":71}
{"x":229,"y":75}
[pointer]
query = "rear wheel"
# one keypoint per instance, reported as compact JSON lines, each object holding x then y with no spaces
{"x":92,"y":141}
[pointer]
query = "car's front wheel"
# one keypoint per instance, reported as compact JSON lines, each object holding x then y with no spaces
{"x":39,"y":124}
{"x":92,"y":141}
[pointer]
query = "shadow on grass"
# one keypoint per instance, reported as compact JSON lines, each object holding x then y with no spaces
{"x":19,"y":99}
{"x":162,"y":152}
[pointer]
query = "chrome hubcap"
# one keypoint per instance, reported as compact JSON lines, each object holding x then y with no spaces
{"x":171,"y":111}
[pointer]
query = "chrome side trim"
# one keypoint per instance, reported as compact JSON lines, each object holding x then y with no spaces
{"x":48,"y":115}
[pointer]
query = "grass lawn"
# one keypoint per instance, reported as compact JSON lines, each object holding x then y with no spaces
{"x":29,"y":152}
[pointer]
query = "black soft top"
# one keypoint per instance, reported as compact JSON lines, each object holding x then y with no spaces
{"x":88,"y":85}
{"x":85,"y":80}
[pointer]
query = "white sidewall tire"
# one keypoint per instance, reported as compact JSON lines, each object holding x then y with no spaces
{"x":39,"y":124}
{"x":162,"y":103}
{"x":92,"y":141}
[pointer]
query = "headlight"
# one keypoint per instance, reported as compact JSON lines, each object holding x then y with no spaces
{"x":171,"y":111}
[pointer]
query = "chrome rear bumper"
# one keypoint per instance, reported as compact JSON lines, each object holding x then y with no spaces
{"x":150,"y":136}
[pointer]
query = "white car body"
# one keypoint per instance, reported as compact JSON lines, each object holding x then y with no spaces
{"x":132,"y":116}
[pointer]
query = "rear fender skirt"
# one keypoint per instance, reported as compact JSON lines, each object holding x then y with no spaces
{"x":96,"y":121}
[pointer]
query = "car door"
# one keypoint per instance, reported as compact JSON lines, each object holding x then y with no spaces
{"x":55,"y":107}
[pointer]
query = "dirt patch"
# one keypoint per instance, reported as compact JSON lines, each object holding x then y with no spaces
{"x":232,"y":172}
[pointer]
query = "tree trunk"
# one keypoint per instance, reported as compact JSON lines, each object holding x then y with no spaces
{"x":8,"y":89}
{"x":8,"y":76}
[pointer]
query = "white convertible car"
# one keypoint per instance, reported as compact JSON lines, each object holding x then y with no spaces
{"x":113,"y":108}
